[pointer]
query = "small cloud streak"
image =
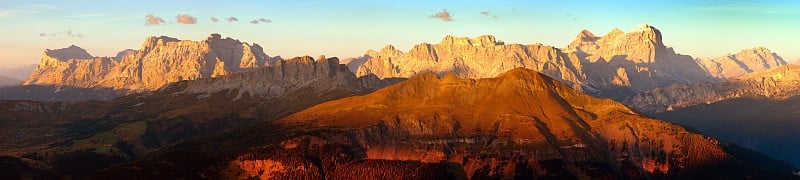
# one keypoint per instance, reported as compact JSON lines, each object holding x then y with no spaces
{"x":488,"y":14}
{"x":443,"y":15}
{"x":232,"y":19}
{"x":214,"y":20}
{"x":260,"y":20}
{"x":67,"y":33}
{"x":150,"y":19}
{"x":186,"y":19}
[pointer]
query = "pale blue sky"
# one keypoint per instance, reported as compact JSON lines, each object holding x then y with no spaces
{"x":701,"y":28}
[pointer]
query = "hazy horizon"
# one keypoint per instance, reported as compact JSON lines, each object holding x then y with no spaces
{"x":703,"y":29}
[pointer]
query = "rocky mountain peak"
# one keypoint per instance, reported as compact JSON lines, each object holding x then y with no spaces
{"x":214,"y":36}
{"x":124,"y":53}
{"x":649,"y":33}
{"x":586,"y":35}
{"x":614,"y":33}
{"x":71,"y":52}
{"x":484,"y":40}
{"x":154,"y":41}
{"x":744,"y":62}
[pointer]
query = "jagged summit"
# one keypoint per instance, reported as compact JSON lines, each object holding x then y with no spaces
{"x":71,"y":52}
{"x":744,"y":62}
{"x":483,"y":40}
{"x":124,"y":53}
{"x":586,"y":35}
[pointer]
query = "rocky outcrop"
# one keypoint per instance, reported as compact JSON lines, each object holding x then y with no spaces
{"x":354,"y":63}
{"x":160,"y":60}
{"x":76,"y":71}
{"x":777,"y":83}
{"x":633,"y":61}
{"x":744,"y":62}
{"x":123,"y":53}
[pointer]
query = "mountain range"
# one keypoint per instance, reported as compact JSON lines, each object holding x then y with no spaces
{"x":519,"y":125}
{"x":471,"y":108}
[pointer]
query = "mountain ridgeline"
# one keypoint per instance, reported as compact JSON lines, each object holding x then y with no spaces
{"x":614,"y":65}
{"x":160,"y":61}
{"x":463,"y":108}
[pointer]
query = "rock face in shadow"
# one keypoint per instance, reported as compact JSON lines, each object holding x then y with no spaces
{"x":777,"y":83}
{"x":637,"y":60}
{"x":609,"y":66}
{"x":744,"y":62}
{"x":160,"y":60}
{"x":769,"y":126}
{"x":6,"y":81}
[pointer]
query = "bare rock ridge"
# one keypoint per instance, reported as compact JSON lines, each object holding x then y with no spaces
{"x":479,"y":57}
{"x":744,"y":62}
{"x":776,"y":83}
{"x":160,"y":60}
{"x":286,"y":76}
{"x":520,"y":119}
{"x":610,"y":65}
{"x":124,"y":53}
{"x":71,"y":52}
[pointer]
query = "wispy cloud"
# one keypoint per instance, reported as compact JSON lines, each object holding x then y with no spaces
{"x":214,"y":20}
{"x":26,"y":10}
{"x":67,"y":33}
{"x":186,"y":19}
{"x":260,"y":20}
{"x":752,"y":8}
{"x":150,"y":19}
{"x":443,"y":15}
{"x":488,"y":14}
{"x":232,"y":19}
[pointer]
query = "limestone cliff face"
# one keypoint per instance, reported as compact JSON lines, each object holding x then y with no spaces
{"x":777,"y":83}
{"x":160,"y":60}
{"x":479,"y":57}
{"x":744,"y":62}
{"x":635,"y":61}
{"x":286,"y":76}
{"x":71,"y":66}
